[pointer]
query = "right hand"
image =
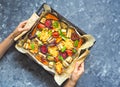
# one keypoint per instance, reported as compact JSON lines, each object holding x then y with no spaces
{"x":77,"y":72}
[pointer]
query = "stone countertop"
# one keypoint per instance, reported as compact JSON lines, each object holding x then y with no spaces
{"x":101,"y":18}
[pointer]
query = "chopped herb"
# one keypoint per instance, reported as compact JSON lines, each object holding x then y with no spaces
{"x":32,"y":46}
{"x":76,"y":43}
{"x":62,"y":35}
{"x":74,"y":50}
{"x":63,"y":49}
{"x":48,"y":56}
{"x":38,"y":33}
{"x":55,"y":24}
{"x":50,"y":32}
{"x":60,"y":58}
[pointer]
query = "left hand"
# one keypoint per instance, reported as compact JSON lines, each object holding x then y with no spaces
{"x":19,"y":29}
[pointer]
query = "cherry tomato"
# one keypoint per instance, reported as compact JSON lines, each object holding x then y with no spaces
{"x":39,"y":26}
{"x":55,"y":34}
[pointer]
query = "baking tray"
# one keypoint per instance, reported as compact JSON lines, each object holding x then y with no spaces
{"x":80,"y":31}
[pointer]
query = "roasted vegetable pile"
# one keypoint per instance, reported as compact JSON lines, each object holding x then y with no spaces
{"x":53,"y":42}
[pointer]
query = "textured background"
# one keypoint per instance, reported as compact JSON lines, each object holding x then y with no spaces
{"x":101,"y":18}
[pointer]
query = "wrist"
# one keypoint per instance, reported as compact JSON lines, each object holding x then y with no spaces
{"x":72,"y":82}
{"x":11,"y":37}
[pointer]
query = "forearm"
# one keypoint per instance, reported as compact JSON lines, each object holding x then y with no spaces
{"x":6,"y":44}
{"x":70,"y":83}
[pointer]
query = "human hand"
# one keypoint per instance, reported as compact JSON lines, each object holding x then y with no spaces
{"x":19,"y":29}
{"x":77,"y":72}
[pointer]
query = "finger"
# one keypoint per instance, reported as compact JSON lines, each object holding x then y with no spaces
{"x":24,"y":29}
{"x":22,"y":24}
{"x":76,"y":66}
{"x":81,"y":68}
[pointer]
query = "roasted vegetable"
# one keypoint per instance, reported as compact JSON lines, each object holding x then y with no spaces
{"x":43,"y":20}
{"x":51,"y":64}
{"x":74,"y":36}
{"x":44,"y":61}
{"x":69,"y":52}
{"x":81,"y":41}
{"x":62,"y":35}
{"x":74,"y":50}
{"x":38,"y":33}
{"x":40,"y":26}
{"x":39,"y":42}
{"x":26,"y":46}
{"x":63,"y":54}
{"x":60,"y":45}
{"x":56,"y":59}
{"x":76,"y":43}
{"x":65,"y":64}
{"x":50,"y":58}
{"x":51,"y":40}
{"x":69,"y":59}
{"x":60,"y":58}
{"x":55,"y":34}
{"x":58,"y":39}
{"x":53,"y":51}
{"x":32,"y":34}
{"x":63,"y":25}
{"x":59,"y":67}
{"x":21,"y":43}
{"x":44,"y":49}
{"x":55,"y":24}
{"x":63,"y":49}
{"x":48,"y":23}
{"x":69,"y":32}
{"x":68,"y":43}
{"x":44,"y":35}
{"x":51,"y":16}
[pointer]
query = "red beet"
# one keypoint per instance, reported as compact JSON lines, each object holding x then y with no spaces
{"x":74,"y":36}
{"x":44,"y":49}
{"x":64,"y":54}
{"x":48,"y":23}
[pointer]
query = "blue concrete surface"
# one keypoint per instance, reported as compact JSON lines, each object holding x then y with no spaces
{"x":101,"y":18}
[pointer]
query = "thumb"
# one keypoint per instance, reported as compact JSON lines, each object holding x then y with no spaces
{"x":76,"y":66}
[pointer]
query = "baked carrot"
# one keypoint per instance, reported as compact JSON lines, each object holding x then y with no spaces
{"x":58,"y":39}
{"x":50,"y":16}
{"x":38,"y":58}
{"x":33,"y":32}
{"x":80,"y":43}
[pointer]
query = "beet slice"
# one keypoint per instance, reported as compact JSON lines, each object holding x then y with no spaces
{"x":43,"y":49}
{"x":74,"y":36}
{"x":48,"y":23}
{"x":64,"y":54}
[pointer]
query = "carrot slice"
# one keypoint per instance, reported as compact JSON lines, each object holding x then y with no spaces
{"x":50,"y":16}
{"x":80,"y":43}
{"x":58,"y":39}
{"x":34,"y":31}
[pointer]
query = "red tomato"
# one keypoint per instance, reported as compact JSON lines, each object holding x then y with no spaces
{"x":69,"y":52}
{"x":39,"y":26}
{"x":55,"y":34}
